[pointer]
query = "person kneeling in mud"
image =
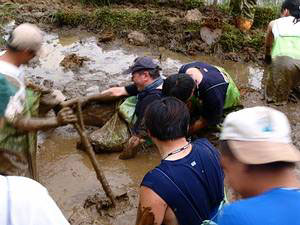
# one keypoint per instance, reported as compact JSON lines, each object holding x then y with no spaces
{"x":147,"y":87}
{"x":209,"y":88}
{"x":187,"y":186}
{"x":283,"y":53}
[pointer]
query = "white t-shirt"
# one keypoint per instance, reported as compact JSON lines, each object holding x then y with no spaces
{"x":26,"y":202}
{"x":12,"y":70}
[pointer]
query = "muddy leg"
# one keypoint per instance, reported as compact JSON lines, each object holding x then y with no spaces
{"x":283,"y":77}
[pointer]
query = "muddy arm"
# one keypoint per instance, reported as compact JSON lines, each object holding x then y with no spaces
{"x":108,"y":95}
{"x":64,"y":117}
{"x":152,"y":208}
{"x":269,"y":40}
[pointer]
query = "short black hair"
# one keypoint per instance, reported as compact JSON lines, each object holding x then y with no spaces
{"x":225,"y":150}
{"x":292,"y":6}
{"x":180,"y":86}
{"x":167,"y":119}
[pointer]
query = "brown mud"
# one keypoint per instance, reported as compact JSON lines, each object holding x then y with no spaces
{"x":67,"y":171}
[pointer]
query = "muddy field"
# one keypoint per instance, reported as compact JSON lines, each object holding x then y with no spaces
{"x":79,"y":62}
{"x":65,"y":170}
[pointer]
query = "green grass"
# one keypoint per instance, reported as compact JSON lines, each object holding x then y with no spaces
{"x":8,"y":11}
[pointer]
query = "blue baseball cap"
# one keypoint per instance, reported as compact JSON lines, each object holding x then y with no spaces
{"x":142,"y":63}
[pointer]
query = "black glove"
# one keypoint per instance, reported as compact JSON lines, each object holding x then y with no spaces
{"x":268,"y":59}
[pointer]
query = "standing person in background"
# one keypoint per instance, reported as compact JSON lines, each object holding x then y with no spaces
{"x":186,"y":188}
{"x":283,"y":53}
{"x":243,"y":12}
{"x":18,"y":134}
{"x":259,"y":162}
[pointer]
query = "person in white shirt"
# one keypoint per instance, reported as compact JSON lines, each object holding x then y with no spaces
{"x":18,"y":135}
{"x":26,"y":202}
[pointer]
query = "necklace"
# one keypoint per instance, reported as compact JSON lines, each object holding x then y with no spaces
{"x":177,"y":151}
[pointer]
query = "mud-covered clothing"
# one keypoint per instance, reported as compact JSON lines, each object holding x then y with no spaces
{"x":277,"y":206}
{"x":144,"y":98}
{"x":7,"y":90}
{"x":192,"y":186}
{"x":243,"y":8}
{"x":283,"y":73}
{"x":26,"y":202}
{"x":216,"y":91}
{"x":18,"y":148}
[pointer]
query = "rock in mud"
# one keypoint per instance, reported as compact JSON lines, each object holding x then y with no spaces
{"x":193,"y":15}
{"x":106,"y":37}
{"x":137,"y":38}
{"x":73,"y":62}
{"x":210,"y":36}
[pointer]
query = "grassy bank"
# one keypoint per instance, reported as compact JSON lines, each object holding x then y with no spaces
{"x":178,"y":35}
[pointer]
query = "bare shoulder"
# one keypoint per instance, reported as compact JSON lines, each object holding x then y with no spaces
{"x":152,"y":203}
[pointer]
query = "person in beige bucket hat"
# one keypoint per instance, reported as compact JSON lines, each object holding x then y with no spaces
{"x":259,"y":161}
{"x":21,"y":119}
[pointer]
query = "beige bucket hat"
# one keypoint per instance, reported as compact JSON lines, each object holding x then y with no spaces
{"x":259,"y":135}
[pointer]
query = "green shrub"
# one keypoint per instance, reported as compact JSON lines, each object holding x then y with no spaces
{"x":263,"y":15}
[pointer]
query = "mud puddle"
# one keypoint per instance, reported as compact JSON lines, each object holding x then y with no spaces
{"x":66,"y":171}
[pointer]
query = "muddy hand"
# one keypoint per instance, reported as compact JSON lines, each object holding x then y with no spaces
{"x":131,"y":148}
{"x":66,"y":116}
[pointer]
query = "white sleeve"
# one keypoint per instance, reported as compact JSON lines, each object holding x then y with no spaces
{"x":31,"y":204}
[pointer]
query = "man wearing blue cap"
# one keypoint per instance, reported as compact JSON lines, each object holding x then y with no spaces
{"x":147,"y":87}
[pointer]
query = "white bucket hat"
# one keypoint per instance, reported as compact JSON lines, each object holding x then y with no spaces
{"x":26,"y":37}
{"x":259,"y":135}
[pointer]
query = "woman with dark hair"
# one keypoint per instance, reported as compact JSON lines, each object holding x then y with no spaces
{"x":283,"y":53}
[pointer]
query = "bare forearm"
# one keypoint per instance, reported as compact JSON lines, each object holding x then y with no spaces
{"x":34,"y":124}
{"x":269,"y":40}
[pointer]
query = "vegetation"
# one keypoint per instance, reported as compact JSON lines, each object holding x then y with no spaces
{"x":7,"y":11}
{"x":263,"y":15}
{"x":183,"y":4}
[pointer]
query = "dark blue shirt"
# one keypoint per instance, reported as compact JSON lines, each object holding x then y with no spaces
{"x":144,"y":99}
{"x":198,"y":176}
{"x":211,"y":91}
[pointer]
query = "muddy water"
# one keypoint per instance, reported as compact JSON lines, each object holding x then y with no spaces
{"x":66,"y":171}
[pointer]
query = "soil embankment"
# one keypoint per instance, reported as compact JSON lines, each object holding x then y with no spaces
{"x":187,"y":27}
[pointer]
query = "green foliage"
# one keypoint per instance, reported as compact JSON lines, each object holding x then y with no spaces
{"x":256,"y":40}
{"x":192,"y":4}
{"x":232,"y":39}
{"x":7,"y":11}
{"x":71,"y":18}
{"x":263,"y":15}
{"x":100,"y":2}
{"x":117,"y":20}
